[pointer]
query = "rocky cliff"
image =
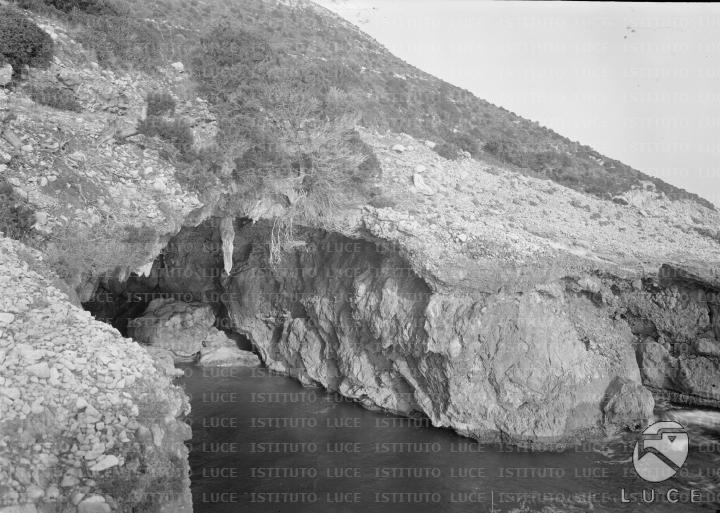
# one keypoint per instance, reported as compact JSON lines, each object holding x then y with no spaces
{"x":495,"y":304}
{"x":458,"y":304}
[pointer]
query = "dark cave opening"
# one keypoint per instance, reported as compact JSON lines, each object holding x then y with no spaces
{"x":188,"y":269}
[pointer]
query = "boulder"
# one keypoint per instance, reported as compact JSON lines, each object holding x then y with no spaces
{"x":178,"y":66}
{"x":175,"y":326}
{"x":628,"y":404}
{"x":399,"y":148}
{"x":221,"y":351}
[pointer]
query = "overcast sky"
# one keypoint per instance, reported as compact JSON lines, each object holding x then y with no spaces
{"x":637,"y":82}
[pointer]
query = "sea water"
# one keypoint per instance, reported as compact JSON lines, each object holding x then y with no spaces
{"x":263,"y":443}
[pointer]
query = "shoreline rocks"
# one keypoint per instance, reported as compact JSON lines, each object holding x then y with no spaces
{"x":75,"y":397}
{"x":180,"y":332}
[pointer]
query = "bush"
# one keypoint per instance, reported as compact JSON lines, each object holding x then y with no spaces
{"x":159,"y":104}
{"x":371,"y":164}
{"x":22,"y":42}
{"x":465,"y":142}
{"x":447,"y":150}
{"x":177,"y":132}
{"x":55,"y":97}
{"x":76,"y":251}
{"x":97,"y":7}
{"x":122,"y":41}
{"x":16,"y":216}
{"x":200,"y":171}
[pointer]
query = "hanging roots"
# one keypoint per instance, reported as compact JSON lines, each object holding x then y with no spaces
{"x":281,"y":239}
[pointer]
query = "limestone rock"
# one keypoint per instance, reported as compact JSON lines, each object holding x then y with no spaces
{"x":628,"y":404}
{"x":227,"y":234}
{"x":173,"y":325}
{"x":222,"y":351}
{"x":525,"y":367}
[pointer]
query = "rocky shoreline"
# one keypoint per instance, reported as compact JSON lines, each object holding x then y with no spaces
{"x":89,"y":422}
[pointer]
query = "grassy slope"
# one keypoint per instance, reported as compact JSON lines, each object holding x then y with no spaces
{"x":387,"y":92}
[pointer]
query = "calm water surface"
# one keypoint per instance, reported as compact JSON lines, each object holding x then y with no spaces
{"x":263,"y":443}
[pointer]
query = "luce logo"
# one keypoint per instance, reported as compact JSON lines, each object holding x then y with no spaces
{"x":660,"y":451}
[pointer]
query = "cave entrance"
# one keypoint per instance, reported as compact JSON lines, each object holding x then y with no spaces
{"x":189,"y":269}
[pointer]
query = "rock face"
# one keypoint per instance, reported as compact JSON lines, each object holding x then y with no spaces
{"x":677,"y":323}
{"x":354,"y":317}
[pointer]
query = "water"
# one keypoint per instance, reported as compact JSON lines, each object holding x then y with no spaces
{"x":263,"y":443}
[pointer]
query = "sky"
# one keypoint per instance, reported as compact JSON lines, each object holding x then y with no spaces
{"x":639,"y":82}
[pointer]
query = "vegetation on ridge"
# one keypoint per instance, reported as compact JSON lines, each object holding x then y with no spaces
{"x":319,"y":52}
{"x":22,"y":42}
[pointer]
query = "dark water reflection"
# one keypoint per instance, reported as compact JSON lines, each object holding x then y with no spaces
{"x":263,"y":443}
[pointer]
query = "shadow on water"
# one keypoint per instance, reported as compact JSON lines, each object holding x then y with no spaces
{"x":263,"y":443}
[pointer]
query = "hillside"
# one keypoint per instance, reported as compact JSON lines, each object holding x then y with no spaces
{"x":330,"y":54}
{"x":387,"y":92}
{"x":236,"y":154}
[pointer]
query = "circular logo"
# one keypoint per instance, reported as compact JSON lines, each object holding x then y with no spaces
{"x":661,"y":451}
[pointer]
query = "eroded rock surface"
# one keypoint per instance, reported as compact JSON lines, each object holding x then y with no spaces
{"x":221,"y":351}
{"x":174,"y":326}
{"x":354,"y":317}
{"x":179,"y":332}
{"x":677,"y":323}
